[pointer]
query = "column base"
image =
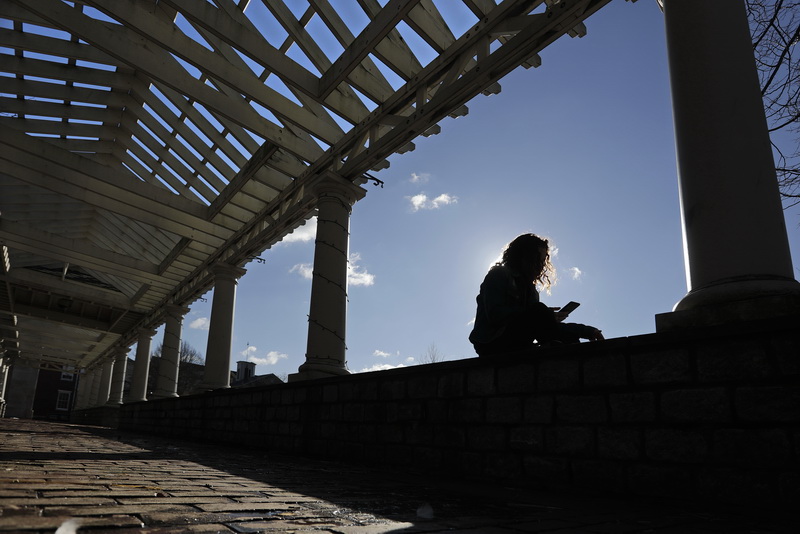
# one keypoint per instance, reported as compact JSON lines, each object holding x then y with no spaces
{"x":204,"y":388}
{"x":315,"y":370}
{"x":731,"y":303}
{"x":170,"y":395}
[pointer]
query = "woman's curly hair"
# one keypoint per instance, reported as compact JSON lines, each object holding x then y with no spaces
{"x":525,"y":248}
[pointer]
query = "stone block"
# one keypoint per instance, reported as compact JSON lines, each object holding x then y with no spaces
{"x":392,"y":390}
{"x":487,"y":438}
{"x":558,"y":375}
{"x":789,"y":488}
{"x":605,"y":371}
{"x":538,"y":409}
{"x":422,"y":387}
{"x":581,"y":409}
{"x":451,"y":437}
{"x":391,"y":434}
{"x":330,"y":393}
{"x":467,"y":411}
{"x":526,"y":438}
{"x":519,"y":378}
{"x":427,"y":457}
{"x":546,"y":472}
{"x":676,"y":445}
{"x":451,"y":385}
{"x":661,"y":480}
{"x":504,"y":410}
{"x":770,"y":403}
{"x":502,"y":465}
{"x":481,"y":381}
{"x":366,"y":390}
{"x":570,"y":441}
{"x":374,"y":413}
{"x":752,"y":447}
{"x":605,"y":475}
{"x":733,"y":360}
{"x":740,"y":485}
{"x":786,"y":347}
{"x":696,"y":405}
{"x":661,"y":367}
{"x":409,"y":411}
{"x":619,"y":443}
{"x":419,"y":434}
{"x":353,"y":412}
{"x":436,"y":410}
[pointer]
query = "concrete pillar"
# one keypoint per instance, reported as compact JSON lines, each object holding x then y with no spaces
{"x":325,"y":350}
{"x":167,"y":380}
{"x":736,"y":248}
{"x":94,"y":392}
{"x":105,"y":382}
{"x":220,"y":330}
{"x":118,"y":378}
{"x":141,"y":366}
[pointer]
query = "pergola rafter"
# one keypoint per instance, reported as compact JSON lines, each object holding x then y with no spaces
{"x":143,"y":142}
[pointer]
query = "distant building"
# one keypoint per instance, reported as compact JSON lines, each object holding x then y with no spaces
{"x":34,"y":393}
{"x":245,"y":376}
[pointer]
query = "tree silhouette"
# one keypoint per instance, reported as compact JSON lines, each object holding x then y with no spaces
{"x":187,"y":354}
{"x":775,"y":29}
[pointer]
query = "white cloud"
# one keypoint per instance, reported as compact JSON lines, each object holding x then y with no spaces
{"x":422,"y":202}
{"x":420,"y":178}
{"x":249,"y":351}
{"x":575,"y":273}
{"x":410,"y":360}
{"x":356,"y":275}
{"x":201,"y":323}
{"x":303,"y":234}
{"x":304,"y":269}
{"x":381,"y":354}
{"x":271,"y":358}
{"x":380,"y":367}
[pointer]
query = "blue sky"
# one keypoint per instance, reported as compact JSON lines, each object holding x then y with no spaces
{"x":580,"y":150}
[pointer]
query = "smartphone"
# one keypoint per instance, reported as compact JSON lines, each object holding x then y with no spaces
{"x":569,"y":308}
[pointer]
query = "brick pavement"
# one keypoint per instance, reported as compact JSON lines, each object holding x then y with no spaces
{"x":103,"y":480}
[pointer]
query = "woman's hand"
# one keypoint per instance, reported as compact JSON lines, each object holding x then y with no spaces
{"x":596,"y":335}
{"x":560,"y":316}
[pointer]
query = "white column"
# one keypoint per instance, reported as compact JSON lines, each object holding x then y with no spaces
{"x":3,"y":383}
{"x":167,"y":380}
{"x":735,"y":243}
{"x":141,"y":366}
{"x":84,"y":390}
{"x":94,"y":392}
{"x":105,"y":381}
{"x":118,"y":377}
{"x":327,"y":318}
{"x":220,"y":330}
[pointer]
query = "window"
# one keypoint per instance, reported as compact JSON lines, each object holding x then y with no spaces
{"x":67,"y":374}
{"x":62,"y":402}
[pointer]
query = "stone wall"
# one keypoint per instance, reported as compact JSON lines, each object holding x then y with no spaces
{"x":711,"y":414}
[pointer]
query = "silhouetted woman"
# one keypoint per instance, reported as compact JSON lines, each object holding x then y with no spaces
{"x":510,"y":316}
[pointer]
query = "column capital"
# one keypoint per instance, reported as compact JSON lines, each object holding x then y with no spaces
{"x":331,"y":185}
{"x":226,"y":270}
{"x":176,"y":311}
{"x":145,"y":332}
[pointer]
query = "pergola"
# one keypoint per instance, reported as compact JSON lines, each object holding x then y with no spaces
{"x":149,"y":150}
{"x":145,"y":143}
